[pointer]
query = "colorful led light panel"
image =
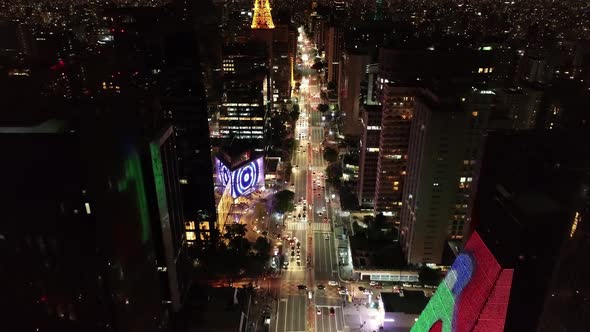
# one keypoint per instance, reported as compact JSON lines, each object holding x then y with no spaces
{"x":247,"y":178}
{"x":467,"y":287}
{"x":223,"y":173}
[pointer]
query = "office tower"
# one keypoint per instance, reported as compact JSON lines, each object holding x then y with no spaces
{"x":333,"y":51}
{"x":243,"y":112}
{"x":531,"y":206}
{"x":369,"y":153}
{"x":397,"y":104}
{"x":444,"y":145}
{"x":184,"y":103}
{"x":353,"y":71}
{"x":97,"y":245}
{"x":282,"y":58}
{"x":369,"y":85}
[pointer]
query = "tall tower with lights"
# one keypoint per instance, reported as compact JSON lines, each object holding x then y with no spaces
{"x":262,"y":19}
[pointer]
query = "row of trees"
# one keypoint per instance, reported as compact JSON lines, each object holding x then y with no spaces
{"x":230,"y":255}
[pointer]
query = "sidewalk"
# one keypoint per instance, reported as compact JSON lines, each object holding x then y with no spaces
{"x":345,"y":270}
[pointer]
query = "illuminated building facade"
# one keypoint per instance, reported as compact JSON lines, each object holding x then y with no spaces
{"x":473,"y":296}
{"x":242,"y":179}
{"x":236,"y":175}
{"x":243,"y":111}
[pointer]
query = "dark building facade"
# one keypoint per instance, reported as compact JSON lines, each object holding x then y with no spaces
{"x":97,"y":245}
{"x":531,"y":204}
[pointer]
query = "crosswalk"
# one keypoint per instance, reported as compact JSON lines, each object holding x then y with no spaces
{"x":301,"y":226}
{"x":296,"y":226}
{"x":321,"y":227}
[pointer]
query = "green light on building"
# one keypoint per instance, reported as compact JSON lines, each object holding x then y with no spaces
{"x":134,"y":180}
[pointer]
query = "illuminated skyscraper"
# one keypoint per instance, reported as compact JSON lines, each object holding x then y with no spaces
{"x":262,"y":18}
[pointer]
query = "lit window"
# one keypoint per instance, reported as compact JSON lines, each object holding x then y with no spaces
{"x":184,"y":181}
{"x":480,"y":70}
{"x":474,"y":113}
{"x":189,"y":225}
{"x":191,"y":236}
{"x":462,"y":179}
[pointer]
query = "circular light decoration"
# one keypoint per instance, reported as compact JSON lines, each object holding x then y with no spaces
{"x":247,"y":177}
{"x":223,"y":173}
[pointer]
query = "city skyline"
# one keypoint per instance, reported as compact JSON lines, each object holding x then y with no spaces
{"x":280,"y":166}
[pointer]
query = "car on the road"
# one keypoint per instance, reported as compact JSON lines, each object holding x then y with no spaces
{"x":327,"y":237}
{"x":292,"y":253}
{"x":275,"y":250}
{"x":361,"y":288}
{"x":298,"y":244}
{"x":332,"y":283}
{"x":319,"y":311}
{"x":321,"y":287}
{"x":378,"y":286}
{"x":343,"y":292}
{"x":332,"y":311}
{"x":373,"y":283}
{"x":301,"y":287}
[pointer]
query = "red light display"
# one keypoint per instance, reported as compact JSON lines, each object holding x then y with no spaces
{"x":473,"y":296}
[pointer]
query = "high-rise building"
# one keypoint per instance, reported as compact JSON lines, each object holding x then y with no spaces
{"x":98,"y":244}
{"x":352,"y":73}
{"x":333,"y":50}
{"x":444,"y":146}
{"x":369,"y":153}
{"x":184,"y":103}
{"x":396,"y":117}
{"x":243,"y":112}
{"x":532,"y":199}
